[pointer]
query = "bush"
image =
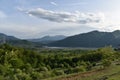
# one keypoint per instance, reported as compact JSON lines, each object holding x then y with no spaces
{"x":37,"y":76}
{"x":68,"y":71}
{"x":17,"y":63}
{"x":106,"y":63}
{"x":58,"y":72}
{"x":80,"y":69}
{"x":43,"y":69}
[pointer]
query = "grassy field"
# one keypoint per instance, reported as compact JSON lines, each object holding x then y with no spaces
{"x":110,"y":73}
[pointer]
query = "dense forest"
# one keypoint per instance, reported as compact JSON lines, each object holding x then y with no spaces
{"x":24,"y":64}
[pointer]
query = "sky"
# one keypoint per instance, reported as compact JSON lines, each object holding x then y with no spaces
{"x":37,"y":18}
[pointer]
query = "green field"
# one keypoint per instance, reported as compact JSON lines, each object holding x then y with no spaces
{"x":111,"y":73}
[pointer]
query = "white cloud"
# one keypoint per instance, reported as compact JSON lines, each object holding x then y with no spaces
{"x":2,"y":14}
{"x":76,"y":17}
{"x":112,"y":27}
{"x":53,"y":3}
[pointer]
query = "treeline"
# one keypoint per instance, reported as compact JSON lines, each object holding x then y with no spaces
{"x":23,"y":64}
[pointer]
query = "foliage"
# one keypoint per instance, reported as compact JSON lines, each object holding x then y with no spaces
{"x":23,"y":64}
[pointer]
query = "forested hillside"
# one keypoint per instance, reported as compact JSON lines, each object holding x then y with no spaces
{"x":18,"y":42}
{"x":48,"y":39}
{"x":93,"y":39}
{"x":23,"y":64}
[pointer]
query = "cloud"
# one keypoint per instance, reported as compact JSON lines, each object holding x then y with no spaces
{"x":53,"y":3}
{"x":76,"y":17}
{"x":111,"y":27}
{"x":2,"y":14}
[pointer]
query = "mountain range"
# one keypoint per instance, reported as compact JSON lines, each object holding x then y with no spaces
{"x":48,"y":39}
{"x":17,"y":42}
{"x":93,"y":39}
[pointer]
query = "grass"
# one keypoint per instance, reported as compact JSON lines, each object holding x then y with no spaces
{"x":110,"y":73}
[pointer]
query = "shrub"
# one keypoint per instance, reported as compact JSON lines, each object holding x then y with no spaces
{"x":106,"y":63}
{"x":58,"y":72}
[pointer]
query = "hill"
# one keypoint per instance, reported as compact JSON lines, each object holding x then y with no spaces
{"x":17,"y":42}
{"x":48,"y":39}
{"x":92,"y":39}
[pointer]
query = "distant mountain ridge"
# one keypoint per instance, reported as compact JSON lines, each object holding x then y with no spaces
{"x":48,"y":39}
{"x":91,"y":39}
{"x":5,"y":38}
{"x":16,"y":41}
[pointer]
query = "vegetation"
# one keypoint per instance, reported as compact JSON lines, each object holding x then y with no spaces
{"x":23,"y":64}
{"x":94,"y":39}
